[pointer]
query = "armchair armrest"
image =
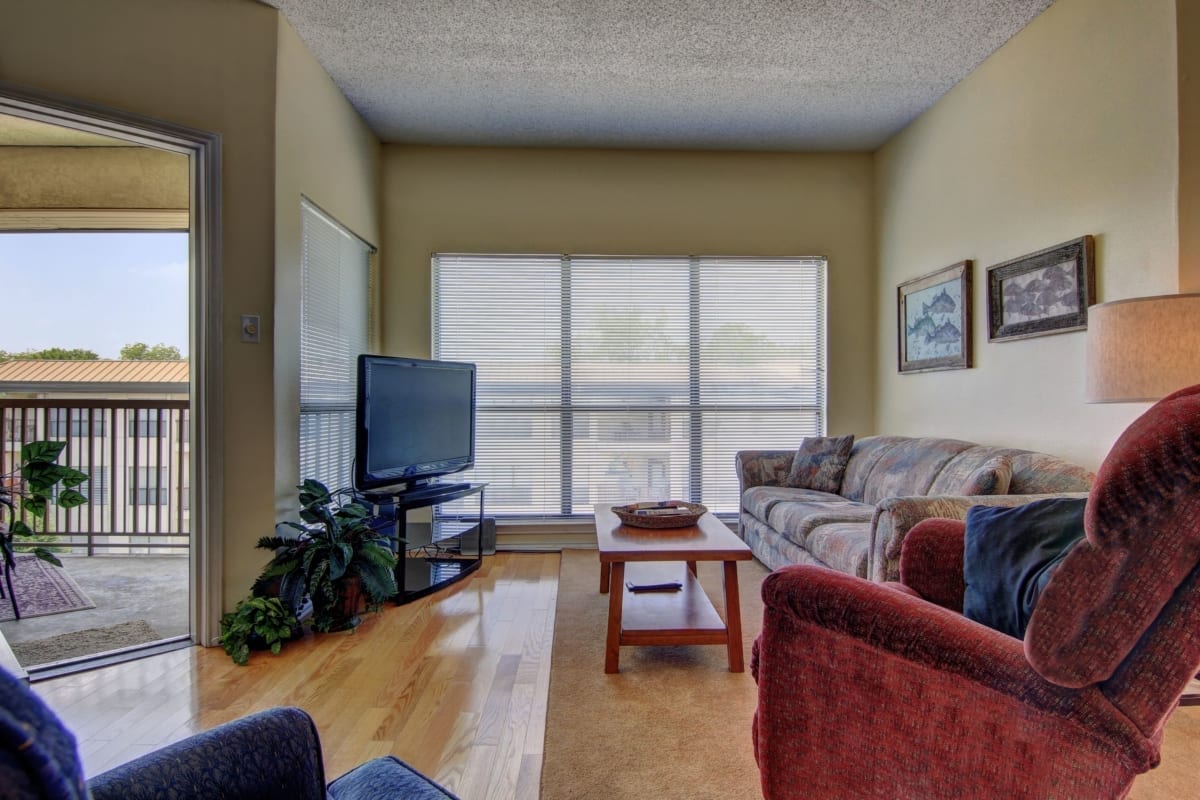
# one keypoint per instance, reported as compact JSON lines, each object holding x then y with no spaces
{"x":931,"y":562}
{"x":831,"y":639}
{"x":386,"y":778}
{"x":895,"y":517}
{"x":762,"y":467}
{"x":271,"y":754}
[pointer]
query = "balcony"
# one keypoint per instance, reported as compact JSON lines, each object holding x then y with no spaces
{"x":127,"y":548}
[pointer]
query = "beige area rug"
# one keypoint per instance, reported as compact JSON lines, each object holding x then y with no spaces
{"x":673,"y":724}
{"x":84,"y":643}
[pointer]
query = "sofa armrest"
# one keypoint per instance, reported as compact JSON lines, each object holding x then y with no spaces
{"x":822,"y":627}
{"x":895,"y":517}
{"x":271,"y":754}
{"x":762,"y":467}
{"x":931,"y":562}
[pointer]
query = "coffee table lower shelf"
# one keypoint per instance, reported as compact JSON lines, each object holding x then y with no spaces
{"x":685,"y":617}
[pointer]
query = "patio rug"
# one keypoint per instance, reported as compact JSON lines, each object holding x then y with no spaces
{"x":84,"y":643}
{"x":41,"y":589}
{"x":674,"y":723}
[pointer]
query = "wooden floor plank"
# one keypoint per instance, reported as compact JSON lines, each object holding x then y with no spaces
{"x":454,"y":683}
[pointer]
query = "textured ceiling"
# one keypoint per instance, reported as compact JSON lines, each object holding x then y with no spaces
{"x":691,"y":74}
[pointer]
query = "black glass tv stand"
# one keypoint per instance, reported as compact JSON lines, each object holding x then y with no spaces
{"x":435,"y":553}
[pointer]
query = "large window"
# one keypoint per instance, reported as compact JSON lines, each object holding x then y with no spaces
{"x":96,"y":487}
{"x":616,"y":378}
{"x":334,"y":329}
{"x":62,"y":423}
{"x":144,"y":424}
{"x":148,"y":486}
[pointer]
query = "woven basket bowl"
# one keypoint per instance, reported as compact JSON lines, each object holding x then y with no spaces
{"x":681,"y":520}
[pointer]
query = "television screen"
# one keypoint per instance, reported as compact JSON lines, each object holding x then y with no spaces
{"x":415,"y":419}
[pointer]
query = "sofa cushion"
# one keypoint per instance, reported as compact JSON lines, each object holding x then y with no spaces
{"x":842,"y":545}
{"x":1009,"y":555}
{"x":863,"y":457}
{"x":759,"y":500}
{"x":1039,"y":473}
{"x":909,"y":468}
{"x":990,"y":478}
{"x":796,"y":520}
{"x":970,"y":470}
{"x":820,"y":462}
{"x":770,"y":548}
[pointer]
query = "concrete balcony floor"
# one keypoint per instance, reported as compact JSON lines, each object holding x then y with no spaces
{"x":124,"y":588}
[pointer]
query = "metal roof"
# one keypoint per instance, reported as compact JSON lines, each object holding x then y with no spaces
{"x":22,"y":375}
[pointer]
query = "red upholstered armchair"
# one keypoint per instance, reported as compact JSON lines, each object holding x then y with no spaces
{"x":873,"y":690}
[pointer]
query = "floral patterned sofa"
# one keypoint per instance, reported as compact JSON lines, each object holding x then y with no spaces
{"x":890,"y":484}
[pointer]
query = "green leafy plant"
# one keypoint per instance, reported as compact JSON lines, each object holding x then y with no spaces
{"x":256,"y":620}
{"x":33,"y":487}
{"x":39,"y":482}
{"x":335,"y":556}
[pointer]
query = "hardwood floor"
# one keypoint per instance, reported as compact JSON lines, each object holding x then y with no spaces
{"x":455,"y":684}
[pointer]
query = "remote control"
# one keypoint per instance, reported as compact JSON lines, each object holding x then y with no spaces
{"x":673,"y":586}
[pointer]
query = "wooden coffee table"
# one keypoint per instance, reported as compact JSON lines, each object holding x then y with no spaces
{"x":683,"y":617}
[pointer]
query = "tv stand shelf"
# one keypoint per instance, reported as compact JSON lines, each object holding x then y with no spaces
{"x":432,"y":554}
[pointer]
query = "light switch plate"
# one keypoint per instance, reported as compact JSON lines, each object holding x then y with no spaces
{"x":251,"y":328}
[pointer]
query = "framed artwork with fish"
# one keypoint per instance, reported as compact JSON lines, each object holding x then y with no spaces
{"x":934,"y":312}
{"x":1042,"y":293}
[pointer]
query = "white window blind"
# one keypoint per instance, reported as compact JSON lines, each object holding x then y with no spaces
{"x":604,"y":378}
{"x":334,"y":329}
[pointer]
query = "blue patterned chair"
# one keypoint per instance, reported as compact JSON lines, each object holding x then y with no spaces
{"x":271,"y":754}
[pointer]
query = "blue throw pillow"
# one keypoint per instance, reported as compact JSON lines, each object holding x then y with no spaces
{"x":1009,"y":556}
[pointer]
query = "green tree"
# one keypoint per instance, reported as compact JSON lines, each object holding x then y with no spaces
{"x":140,"y":351}
{"x":738,"y":343}
{"x":50,"y":354}
{"x":630,"y":333}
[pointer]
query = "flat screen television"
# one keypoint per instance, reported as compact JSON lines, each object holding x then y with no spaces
{"x":414,"y":421}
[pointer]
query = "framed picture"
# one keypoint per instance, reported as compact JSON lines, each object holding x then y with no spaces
{"x":1042,"y":293}
{"x":934,"y":312}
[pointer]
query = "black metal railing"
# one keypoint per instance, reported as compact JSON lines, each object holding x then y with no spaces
{"x":136,"y":454}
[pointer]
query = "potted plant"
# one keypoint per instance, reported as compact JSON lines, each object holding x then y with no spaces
{"x":39,"y":482}
{"x":335,"y":559}
{"x":256,"y":623}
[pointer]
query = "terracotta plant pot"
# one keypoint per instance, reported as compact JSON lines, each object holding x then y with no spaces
{"x":354,"y":602}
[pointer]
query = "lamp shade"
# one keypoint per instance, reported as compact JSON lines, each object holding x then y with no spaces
{"x":1142,"y":349}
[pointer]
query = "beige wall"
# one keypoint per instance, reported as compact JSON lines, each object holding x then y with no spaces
{"x":325,"y":152}
{"x":1187,"y":22}
{"x":635,"y":202}
{"x":213,"y":65}
{"x":92,"y":177}
{"x":1068,"y":129}
{"x":207,"y":65}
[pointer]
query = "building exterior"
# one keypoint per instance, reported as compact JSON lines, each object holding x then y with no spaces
{"x":125,"y":424}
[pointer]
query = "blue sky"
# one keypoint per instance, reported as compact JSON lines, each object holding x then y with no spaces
{"x":97,"y":291}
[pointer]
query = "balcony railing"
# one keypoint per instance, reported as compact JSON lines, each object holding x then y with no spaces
{"x":136,"y":455}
